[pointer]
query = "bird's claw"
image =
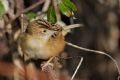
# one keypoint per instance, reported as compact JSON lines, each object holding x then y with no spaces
{"x":45,"y":66}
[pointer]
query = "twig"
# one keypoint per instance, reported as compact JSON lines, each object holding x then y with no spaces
{"x":98,"y":52}
{"x":72,"y":57}
{"x":22,"y":30}
{"x":72,"y":26}
{"x":47,"y":63}
{"x":22,"y":23}
{"x":79,"y":64}
{"x":19,"y":5}
{"x":26,"y":10}
{"x":46,"y":5}
{"x":55,"y":5}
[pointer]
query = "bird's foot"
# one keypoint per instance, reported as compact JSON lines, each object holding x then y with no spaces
{"x":48,"y":64}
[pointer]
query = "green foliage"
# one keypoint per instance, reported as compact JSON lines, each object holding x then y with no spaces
{"x":51,"y":15}
{"x":64,"y":10}
{"x":31,"y":15}
{"x":70,"y":5}
{"x":2,"y":9}
{"x":67,"y":7}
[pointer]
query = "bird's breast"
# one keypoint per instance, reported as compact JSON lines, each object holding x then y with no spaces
{"x":36,"y":48}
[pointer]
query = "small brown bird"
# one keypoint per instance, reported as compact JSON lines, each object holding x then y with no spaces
{"x":41,"y":40}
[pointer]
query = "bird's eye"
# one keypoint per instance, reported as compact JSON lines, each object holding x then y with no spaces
{"x":44,"y":30}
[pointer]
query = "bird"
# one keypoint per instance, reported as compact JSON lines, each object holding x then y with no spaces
{"x":41,"y":40}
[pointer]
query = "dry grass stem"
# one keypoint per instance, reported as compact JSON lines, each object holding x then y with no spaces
{"x":47,"y":63}
{"x":46,"y":5}
{"x":98,"y":52}
{"x":55,"y":5}
{"x":72,"y":26}
{"x":79,"y":64}
{"x":26,"y":10}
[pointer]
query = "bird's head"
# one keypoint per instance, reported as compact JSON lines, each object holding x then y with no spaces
{"x":43,"y":29}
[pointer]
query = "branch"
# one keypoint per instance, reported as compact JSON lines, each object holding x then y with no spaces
{"x":26,"y":10}
{"x":46,"y":6}
{"x":72,"y":26}
{"x":55,"y":5}
{"x":98,"y":52}
{"x":79,"y":64}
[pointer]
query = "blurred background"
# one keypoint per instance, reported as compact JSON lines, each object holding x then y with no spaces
{"x":101,"y":31}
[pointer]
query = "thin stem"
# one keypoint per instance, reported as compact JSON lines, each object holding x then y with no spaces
{"x":47,"y":63}
{"x":22,"y":24}
{"x":46,"y":5}
{"x":26,"y":10}
{"x":99,"y":52}
{"x":55,"y":5}
{"x":79,"y":64}
{"x":72,"y":26}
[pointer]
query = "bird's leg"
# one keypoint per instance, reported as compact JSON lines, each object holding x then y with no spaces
{"x":47,"y":63}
